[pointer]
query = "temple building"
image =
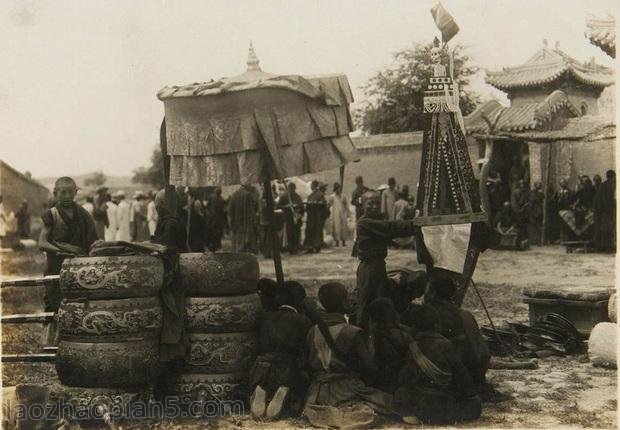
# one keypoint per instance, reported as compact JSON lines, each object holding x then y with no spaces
{"x":560,"y":122}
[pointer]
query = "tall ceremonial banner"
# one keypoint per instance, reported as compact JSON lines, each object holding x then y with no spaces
{"x":449,"y":207}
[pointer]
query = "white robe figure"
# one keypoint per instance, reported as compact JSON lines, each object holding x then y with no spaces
{"x":151,"y":217}
{"x":110,"y":230}
{"x":339,"y":211}
{"x":124,"y":232}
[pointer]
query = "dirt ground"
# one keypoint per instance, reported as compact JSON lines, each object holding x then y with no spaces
{"x":566,"y":392}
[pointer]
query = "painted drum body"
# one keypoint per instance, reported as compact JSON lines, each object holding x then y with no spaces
{"x":111,"y":277}
{"x":105,"y":320}
{"x":222,"y":314}
{"x":218,"y":274}
{"x":221,"y":353}
{"x":202,"y":387}
{"x":132,"y":363}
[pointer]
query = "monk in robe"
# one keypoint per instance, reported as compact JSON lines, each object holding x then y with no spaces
{"x":605,"y":214}
{"x":216,"y":208}
{"x":436,"y":388}
{"x":316,"y":210}
{"x":169,"y":230}
{"x":391,"y":343}
{"x":278,"y":378}
{"x":242,"y":210}
{"x":68,"y":231}
{"x":341,"y":363}
{"x":373,"y":237}
{"x":460,"y":327}
{"x":292,"y":207}
{"x":356,"y":197}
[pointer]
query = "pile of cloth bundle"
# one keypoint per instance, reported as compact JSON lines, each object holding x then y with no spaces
{"x":110,"y":323}
{"x":222,"y":311}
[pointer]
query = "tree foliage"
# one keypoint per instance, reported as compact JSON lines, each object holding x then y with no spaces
{"x":394,"y":96}
{"x":153,"y":174}
{"x":95,"y":179}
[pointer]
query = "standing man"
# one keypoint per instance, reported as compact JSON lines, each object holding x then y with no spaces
{"x":216,"y":208}
{"x":151,"y":214}
{"x":123,"y":211}
{"x":100,"y":211}
{"x":605,"y":214}
{"x":139,"y":219}
{"x":564,"y":199}
{"x":316,"y":209}
{"x":356,"y":197}
{"x":293,"y":214}
{"x":68,"y":230}
{"x":536,"y":198}
{"x":112,"y":227}
{"x":23,"y":221}
{"x":388,"y":199}
{"x":374,"y":235}
{"x":242,"y":209}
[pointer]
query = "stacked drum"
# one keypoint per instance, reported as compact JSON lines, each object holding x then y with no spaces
{"x":110,"y":322}
{"x":221,"y":318}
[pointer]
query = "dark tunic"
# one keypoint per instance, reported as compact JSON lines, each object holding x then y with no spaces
{"x":391,"y":348}
{"x":372,"y":240}
{"x":169,"y":231}
{"x":78,"y":230}
{"x":536,"y":198}
{"x":338,"y":396}
{"x":316,"y":208}
{"x":23,"y":222}
{"x":605,"y":217}
{"x":292,"y":219}
{"x":356,"y":200}
{"x":242,"y":210}
{"x":283,"y":353}
{"x":461,"y":328}
{"x":217,"y":221}
{"x":197,"y":228}
{"x":431,"y":400}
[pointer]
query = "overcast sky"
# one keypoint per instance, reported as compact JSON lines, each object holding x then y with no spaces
{"x":79,"y":78}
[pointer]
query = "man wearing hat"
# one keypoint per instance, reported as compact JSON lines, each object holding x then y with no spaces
{"x":100,"y":211}
{"x":123,"y":213}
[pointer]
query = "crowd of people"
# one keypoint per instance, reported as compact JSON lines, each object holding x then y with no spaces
{"x":339,"y":365}
{"x":585,"y":214}
{"x":389,"y":354}
{"x":327,"y":217}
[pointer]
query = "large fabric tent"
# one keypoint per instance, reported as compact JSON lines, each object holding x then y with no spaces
{"x":256,"y":127}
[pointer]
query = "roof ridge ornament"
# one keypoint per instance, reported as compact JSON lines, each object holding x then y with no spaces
{"x":253,"y":62}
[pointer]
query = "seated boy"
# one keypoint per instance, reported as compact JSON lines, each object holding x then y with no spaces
{"x":278,"y":375}
{"x":436,"y":387}
{"x":340,"y":362}
{"x":460,"y":327}
{"x":391,"y":343}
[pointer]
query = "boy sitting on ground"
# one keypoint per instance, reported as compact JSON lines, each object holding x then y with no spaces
{"x":278,"y":375}
{"x":436,"y":387}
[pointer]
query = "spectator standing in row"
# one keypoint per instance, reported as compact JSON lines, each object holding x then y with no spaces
{"x":293,"y":208}
{"x":151,"y":214}
{"x":123,"y":211}
{"x":316,"y":210}
{"x":100,"y":211}
{"x":242,"y":209}
{"x":217,"y":220}
{"x":339,"y":208}
{"x":112,"y":227}
{"x":388,"y":199}
{"x":356,"y":197}
{"x":605,"y":214}
{"x":536,"y":198}
{"x":141,"y":230}
{"x":23,"y":220}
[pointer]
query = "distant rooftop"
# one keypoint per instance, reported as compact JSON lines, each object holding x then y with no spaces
{"x":524,"y":117}
{"x":602,"y":33}
{"x":547,"y":66}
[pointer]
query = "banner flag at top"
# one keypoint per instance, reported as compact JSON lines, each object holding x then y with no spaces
{"x":445,"y":23}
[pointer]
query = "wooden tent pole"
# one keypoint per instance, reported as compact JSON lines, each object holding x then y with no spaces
{"x":547,"y":174}
{"x":273,"y":235}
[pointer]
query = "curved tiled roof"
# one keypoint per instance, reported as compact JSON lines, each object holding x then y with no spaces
{"x":602,"y":33}
{"x":530,"y":116}
{"x":546,"y":66}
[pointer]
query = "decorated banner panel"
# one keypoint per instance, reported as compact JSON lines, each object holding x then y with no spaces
{"x":257,"y":127}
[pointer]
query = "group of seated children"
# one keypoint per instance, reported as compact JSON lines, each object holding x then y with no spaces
{"x":417,"y":362}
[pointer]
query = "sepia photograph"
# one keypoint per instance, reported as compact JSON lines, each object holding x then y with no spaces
{"x":289,"y":214}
